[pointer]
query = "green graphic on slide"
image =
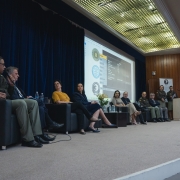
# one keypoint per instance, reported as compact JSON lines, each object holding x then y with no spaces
{"x":95,"y":54}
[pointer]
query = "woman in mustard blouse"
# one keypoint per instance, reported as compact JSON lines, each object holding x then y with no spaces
{"x":60,"y":97}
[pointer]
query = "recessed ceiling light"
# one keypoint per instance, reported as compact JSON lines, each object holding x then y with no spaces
{"x":150,"y":7}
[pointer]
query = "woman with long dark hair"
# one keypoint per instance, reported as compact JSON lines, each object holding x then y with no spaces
{"x":93,"y":107}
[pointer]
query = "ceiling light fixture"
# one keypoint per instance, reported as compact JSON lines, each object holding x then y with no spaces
{"x":105,"y":3}
{"x":137,"y":20}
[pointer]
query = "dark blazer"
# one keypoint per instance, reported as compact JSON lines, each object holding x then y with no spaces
{"x":153,"y":104}
{"x":77,"y":97}
{"x":125,"y":100}
{"x":4,"y":86}
{"x":14,"y":94}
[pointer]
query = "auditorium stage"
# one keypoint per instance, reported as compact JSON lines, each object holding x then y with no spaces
{"x":110,"y":154}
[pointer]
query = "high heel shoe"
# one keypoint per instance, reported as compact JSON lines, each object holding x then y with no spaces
{"x":137,"y":113}
{"x":110,"y":125}
{"x":93,"y":130}
{"x":82,"y":132}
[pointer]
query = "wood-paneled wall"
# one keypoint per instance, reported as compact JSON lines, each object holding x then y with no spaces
{"x":166,"y":66}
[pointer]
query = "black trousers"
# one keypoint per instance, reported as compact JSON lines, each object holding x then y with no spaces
{"x":80,"y":110}
{"x":46,"y":121}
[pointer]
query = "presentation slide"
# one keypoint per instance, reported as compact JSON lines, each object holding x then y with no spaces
{"x":107,"y":71}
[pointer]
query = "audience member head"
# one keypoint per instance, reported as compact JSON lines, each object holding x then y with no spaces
{"x":57,"y":85}
{"x":2,"y":65}
{"x":161,"y":87}
{"x":13,"y":72}
{"x":152,"y":95}
{"x":125,"y":94}
{"x":144,"y":94}
{"x":80,"y":88}
{"x":171,"y":88}
{"x":117,"y":94}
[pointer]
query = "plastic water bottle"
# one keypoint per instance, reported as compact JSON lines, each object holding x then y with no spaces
{"x":37,"y":95}
{"x":42,"y":97}
{"x":110,"y":109}
{"x":113,"y":108}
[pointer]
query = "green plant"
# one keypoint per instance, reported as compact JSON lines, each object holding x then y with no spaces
{"x":102,"y":99}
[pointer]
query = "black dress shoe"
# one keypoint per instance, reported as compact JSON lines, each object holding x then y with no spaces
{"x":159,"y":120}
{"x":166,"y":120}
{"x":46,"y":137}
{"x":154,"y":120}
{"x":93,"y":130}
{"x":31,"y":144}
{"x":40,"y":140}
{"x":144,"y":123}
{"x":55,"y":126}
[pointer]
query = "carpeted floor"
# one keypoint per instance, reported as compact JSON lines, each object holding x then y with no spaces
{"x":107,"y":155}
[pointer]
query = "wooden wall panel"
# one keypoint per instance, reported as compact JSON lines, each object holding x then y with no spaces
{"x":166,"y":66}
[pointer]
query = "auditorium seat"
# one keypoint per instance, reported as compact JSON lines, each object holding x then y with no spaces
{"x":61,"y":113}
{"x":147,"y":115}
{"x":9,"y":127}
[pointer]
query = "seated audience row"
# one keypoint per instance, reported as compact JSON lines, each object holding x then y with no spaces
{"x":33,"y":116}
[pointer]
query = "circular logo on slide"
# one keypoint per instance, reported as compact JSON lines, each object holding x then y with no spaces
{"x":95,"y":71}
{"x":95,"y":54}
{"x":95,"y":88}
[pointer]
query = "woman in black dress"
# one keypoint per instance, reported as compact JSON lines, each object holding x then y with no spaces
{"x":93,"y":107}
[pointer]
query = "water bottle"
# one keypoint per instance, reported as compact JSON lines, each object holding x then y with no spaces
{"x":109,"y":108}
{"x":42,"y":97}
{"x":37,"y":95}
{"x":113,"y":108}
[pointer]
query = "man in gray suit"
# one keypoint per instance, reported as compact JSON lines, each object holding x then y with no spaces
{"x":27,"y":113}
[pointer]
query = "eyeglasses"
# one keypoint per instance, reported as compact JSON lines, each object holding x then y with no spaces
{"x":2,"y":64}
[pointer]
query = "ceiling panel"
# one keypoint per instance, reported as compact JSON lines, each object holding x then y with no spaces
{"x":137,"y":20}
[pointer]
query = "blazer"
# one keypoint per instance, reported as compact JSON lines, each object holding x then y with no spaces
{"x":125,"y":100}
{"x":153,"y":103}
{"x":78,"y":97}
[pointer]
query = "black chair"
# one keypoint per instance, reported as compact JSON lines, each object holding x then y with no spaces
{"x":61,"y":113}
{"x":9,"y":127}
{"x":147,"y":115}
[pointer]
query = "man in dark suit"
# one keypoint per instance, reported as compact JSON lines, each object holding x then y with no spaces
{"x":17,"y":93}
{"x":126,"y":101}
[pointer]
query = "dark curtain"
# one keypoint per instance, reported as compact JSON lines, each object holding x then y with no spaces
{"x":43,"y":45}
{"x":140,"y":68}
